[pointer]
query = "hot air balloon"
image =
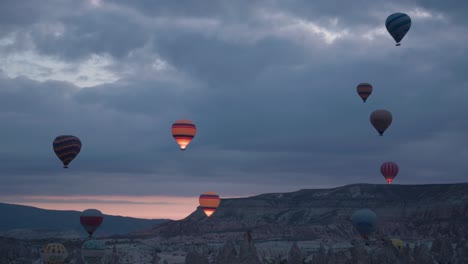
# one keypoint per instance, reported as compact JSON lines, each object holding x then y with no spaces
{"x":209,"y":201}
{"x":364,"y":90}
{"x":66,"y":148}
{"x":183,"y":132}
{"x":398,"y":25}
{"x":54,"y":253}
{"x":365,"y":222}
{"x":91,"y":219}
{"x":398,"y":244}
{"x":93,"y":251}
{"x":381,"y":120}
{"x":389,"y":170}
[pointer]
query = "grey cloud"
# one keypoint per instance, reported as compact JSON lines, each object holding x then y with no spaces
{"x":452,"y":8}
{"x":273,"y":112}
{"x":15,"y":14}
{"x":187,"y":8}
{"x":95,"y":32}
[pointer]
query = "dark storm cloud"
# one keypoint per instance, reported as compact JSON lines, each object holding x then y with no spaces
{"x":94,"y":32}
{"x":17,"y":14}
{"x":279,"y":110}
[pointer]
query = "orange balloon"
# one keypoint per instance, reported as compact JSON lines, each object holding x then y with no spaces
{"x":209,"y":201}
{"x":183,"y":132}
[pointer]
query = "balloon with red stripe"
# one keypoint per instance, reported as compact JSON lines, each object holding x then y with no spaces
{"x":209,"y":202}
{"x":389,"y":170}
{"x":183,"y":132}
{"x":91,"y":219}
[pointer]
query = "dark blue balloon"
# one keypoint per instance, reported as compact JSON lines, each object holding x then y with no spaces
{"x":398,"y":25}
{"x":365,"y":222}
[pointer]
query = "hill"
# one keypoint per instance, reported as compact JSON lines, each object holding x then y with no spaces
{"x":21,"y":221}
{"x":414,"y":212}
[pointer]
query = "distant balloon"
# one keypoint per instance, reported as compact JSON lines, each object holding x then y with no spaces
{"x":364,"y":90}
{"x":53,"y":253}
{"x":66,"y":148}
{"x":381,"y":120}
{"x":183,"y":132}
{"x":365,"y":222}
{"x":91,"y":219}
{"x":389,"y":170}
{"x":93,"y":251}
{"x":209,"y":201}
{"x":398,"y":244}
{"x":398,"y":25}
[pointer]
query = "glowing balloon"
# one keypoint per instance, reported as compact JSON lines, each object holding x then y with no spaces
{"x":398,"y":25}
{"x":364,"y":90}
{"x":365,"y":222}
{"x":209,"y":201}
{"x":381,"y":120}
{"x":66,"y":148}
{"x":54,"y":253}
{"x":91,"y":219}
{"x":183,"y":132}
{"x":389,"y":170}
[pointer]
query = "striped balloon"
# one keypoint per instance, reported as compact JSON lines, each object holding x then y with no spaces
{"x":381,"y":120}
{"x":364,"y":90}
{"x":54,"y":253}
{"x":398,"y":25}
{"x":209,"y":201}
{"x":91,"y":219}
{"x":183,"y":132}
{"x":66,"y":148}
{"x":389,"y":170}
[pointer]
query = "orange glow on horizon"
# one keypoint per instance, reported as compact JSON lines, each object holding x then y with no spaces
{"x":146,"y":207}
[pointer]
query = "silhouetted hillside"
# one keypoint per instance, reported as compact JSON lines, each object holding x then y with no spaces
{"x":31,"y":222}
{"x":406,"y":211}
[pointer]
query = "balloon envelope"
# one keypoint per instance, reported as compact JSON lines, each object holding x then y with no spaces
{"x":365,"y":222}
{"x":183,"y":132}
{"x":54,"y":253}
{"x":381,"y":120}
{"x":398,"y":25}
{"x":364,"y":90}
{"x":398,"y":243}
{"x":66,"y":147}
{"x":209,"y":201}
{"x":93,"y":251}
{"x":91,"y":219}
{"x":389,"y":170}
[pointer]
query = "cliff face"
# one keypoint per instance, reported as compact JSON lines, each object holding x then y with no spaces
{"x":410,"y":212}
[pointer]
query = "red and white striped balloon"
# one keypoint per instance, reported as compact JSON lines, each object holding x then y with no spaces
{"x":389,"y":170}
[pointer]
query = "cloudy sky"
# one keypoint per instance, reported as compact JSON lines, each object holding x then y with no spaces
{"x":269,"y":84}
